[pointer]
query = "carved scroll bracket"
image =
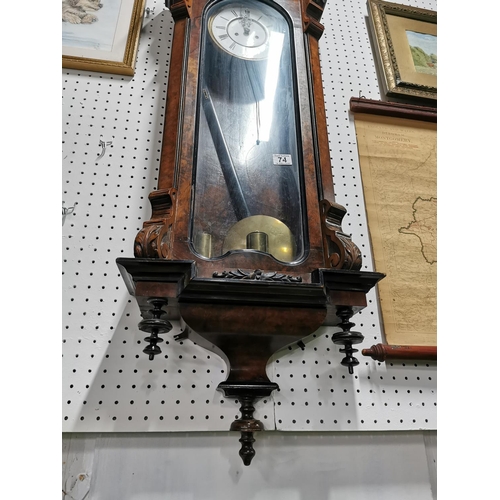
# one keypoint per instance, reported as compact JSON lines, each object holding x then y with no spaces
{"x":340,"y":250}
{"x":311,"y":13}
{"x":179,"y":9}
{"x":153,"y":240}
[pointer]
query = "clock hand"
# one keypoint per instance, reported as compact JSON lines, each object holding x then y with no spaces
{"x":231,"y":177}
{"x":245,"y":21}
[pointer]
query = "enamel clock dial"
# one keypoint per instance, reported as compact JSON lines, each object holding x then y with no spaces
{"x":248,"y":165}
{"x":242,"y":31}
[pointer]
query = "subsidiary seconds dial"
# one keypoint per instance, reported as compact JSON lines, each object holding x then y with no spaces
{"x":241,"y":31}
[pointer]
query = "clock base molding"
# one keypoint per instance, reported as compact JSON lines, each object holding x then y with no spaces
{"x":245,"y":321}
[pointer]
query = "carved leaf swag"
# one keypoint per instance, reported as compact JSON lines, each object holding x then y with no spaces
{"x":257,"y":275}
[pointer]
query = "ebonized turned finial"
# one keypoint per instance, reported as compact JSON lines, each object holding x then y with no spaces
{"x":155,"y":326}
{"x":246,"y":424}
{"x":347,"y":338}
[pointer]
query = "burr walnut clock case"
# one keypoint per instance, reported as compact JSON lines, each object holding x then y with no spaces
{"x":245,"y":244}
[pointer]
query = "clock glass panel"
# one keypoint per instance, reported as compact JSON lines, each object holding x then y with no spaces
{"x":248,"y":185}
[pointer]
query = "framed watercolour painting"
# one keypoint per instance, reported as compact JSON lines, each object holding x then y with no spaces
{"x":406,"y":50}
{"x":101,"y":35}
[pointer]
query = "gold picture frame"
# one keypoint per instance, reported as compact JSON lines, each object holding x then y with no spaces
{"x":103,"y":39}
{"x":407,"y":70}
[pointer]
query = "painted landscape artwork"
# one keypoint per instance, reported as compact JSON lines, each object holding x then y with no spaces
{"x":424,"y":52}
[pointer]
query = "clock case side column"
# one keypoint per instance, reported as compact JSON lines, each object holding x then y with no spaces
{"x":339,"y":249}
{"x":154,"y":239}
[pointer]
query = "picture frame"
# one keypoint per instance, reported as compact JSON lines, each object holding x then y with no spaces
{"x":405,"y":41}
{"x":101,"y":35}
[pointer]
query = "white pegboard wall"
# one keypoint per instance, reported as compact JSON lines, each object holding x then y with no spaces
{"x":380,"y":395}
{"x":112,"y":133}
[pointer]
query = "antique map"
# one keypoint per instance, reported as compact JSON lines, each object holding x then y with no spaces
{"x":398,"y":168}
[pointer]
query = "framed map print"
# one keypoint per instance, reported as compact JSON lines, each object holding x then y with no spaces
{"x":397,"y":156}
{"x":101,"y":35}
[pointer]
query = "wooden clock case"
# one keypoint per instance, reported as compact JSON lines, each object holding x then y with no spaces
{"x":245,"y":305}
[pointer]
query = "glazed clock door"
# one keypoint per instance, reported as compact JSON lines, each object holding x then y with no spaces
{"x":248,"y":183}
